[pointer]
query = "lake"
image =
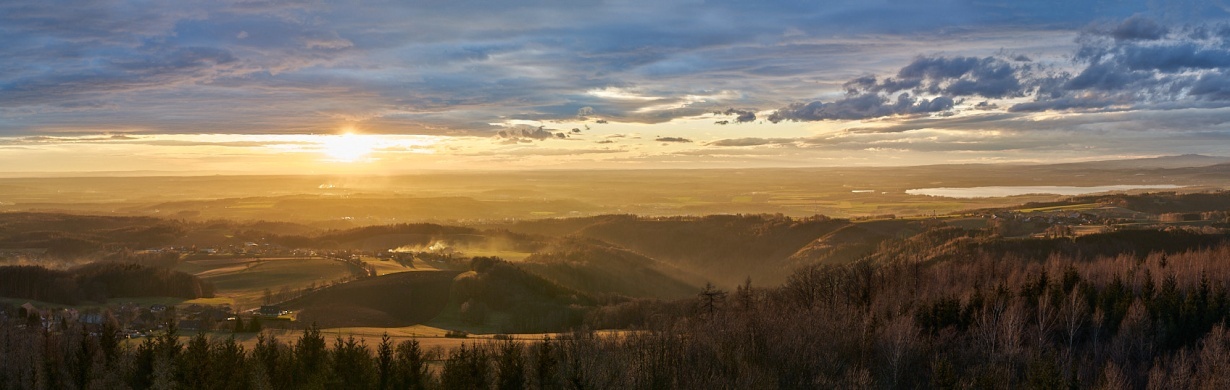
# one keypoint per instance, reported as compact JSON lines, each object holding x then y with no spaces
{"x":1001,"y":191}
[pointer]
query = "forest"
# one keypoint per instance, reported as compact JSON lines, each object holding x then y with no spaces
{"x":96,"y":282}
{"x":1125,"y":321}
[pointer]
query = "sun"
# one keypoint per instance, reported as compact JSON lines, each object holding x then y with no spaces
{"x":347,"y":147}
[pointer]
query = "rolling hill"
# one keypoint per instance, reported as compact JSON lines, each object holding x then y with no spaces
{"x":393,"y":300}
{"x":598,"y":268}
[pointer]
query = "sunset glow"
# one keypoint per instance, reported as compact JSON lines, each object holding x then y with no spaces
{"x":348,"y":147}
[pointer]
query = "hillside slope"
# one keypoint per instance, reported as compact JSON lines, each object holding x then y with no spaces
{"x":394,"y":300}
{"x":598,"y":268}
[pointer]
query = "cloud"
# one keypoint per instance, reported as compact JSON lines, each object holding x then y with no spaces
{"x":1213,"y":86}
{"x":1136,"y":28}
{"x":431,"y":65}
{"x":988,"y":77}
{"x":945,"y":78}
{"x":520,"y":133}
{"x":673,"y":139}
{"x":741,"y":115}
{"x":1137,"y":64}
{"x":450,"y":68}
{"x":741,"y":142}
{"x":863,"y":106}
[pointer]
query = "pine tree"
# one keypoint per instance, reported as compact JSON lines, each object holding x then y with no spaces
{"x":384,"y":363}
{"x":195,"y":362}
{"x":228,"y":370}
{"x":544,"y":363}
{"x":311,"y":357}
{"x":410,"y":367}
{"x":511,"y":366}
{"x":351,"y":365}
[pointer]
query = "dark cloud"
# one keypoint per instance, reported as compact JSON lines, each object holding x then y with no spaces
{"x":741,"y":115}
{"x":1138,"y":28}
{"x":1066,"y":103}
{"x":947,"y":77}
{"x":1212,"y":86}
{"x":673,"y":139}
{"x":985,"y":105}
{"x":1174,"y":57}
{"x":864,"y":106}
{"x":954,"y":76}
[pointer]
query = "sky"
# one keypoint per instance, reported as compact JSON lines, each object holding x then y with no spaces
{"x":252,"y":86}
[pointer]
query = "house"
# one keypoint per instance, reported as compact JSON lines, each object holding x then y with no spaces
{"x":271,"y":310}
{"x":28,"y":309}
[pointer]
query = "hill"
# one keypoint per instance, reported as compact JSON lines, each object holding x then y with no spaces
{"x":500,"y":296}
{"x":394,"y":300}
{"x":854,"y":241}
{"x":725,"y":249}
{"x":1163,"y":162}
{"x":954,"y":244}
{"x":65,"y":235}
{"x":598,"y":268}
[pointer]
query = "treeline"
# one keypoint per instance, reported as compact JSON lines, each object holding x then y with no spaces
{"x":72,"y":358}
{"x":159,"y":259}
{"x":97,"y":282}
{"x":952,"y":243}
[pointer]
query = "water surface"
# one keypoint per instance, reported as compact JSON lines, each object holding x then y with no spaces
{"x":1001,"y":191}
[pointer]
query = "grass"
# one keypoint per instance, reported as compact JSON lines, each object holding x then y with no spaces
{"x":450,"y":318}
{"x":215,"y":301}
{"x":385,"y":267}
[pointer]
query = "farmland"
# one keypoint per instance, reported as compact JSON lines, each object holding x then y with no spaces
{"x":245,"y":280}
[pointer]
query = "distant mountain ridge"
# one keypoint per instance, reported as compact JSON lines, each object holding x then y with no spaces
{"x":1162,"y":162}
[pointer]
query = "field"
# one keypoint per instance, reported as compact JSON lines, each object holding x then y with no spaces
{"x":245,"y":280}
